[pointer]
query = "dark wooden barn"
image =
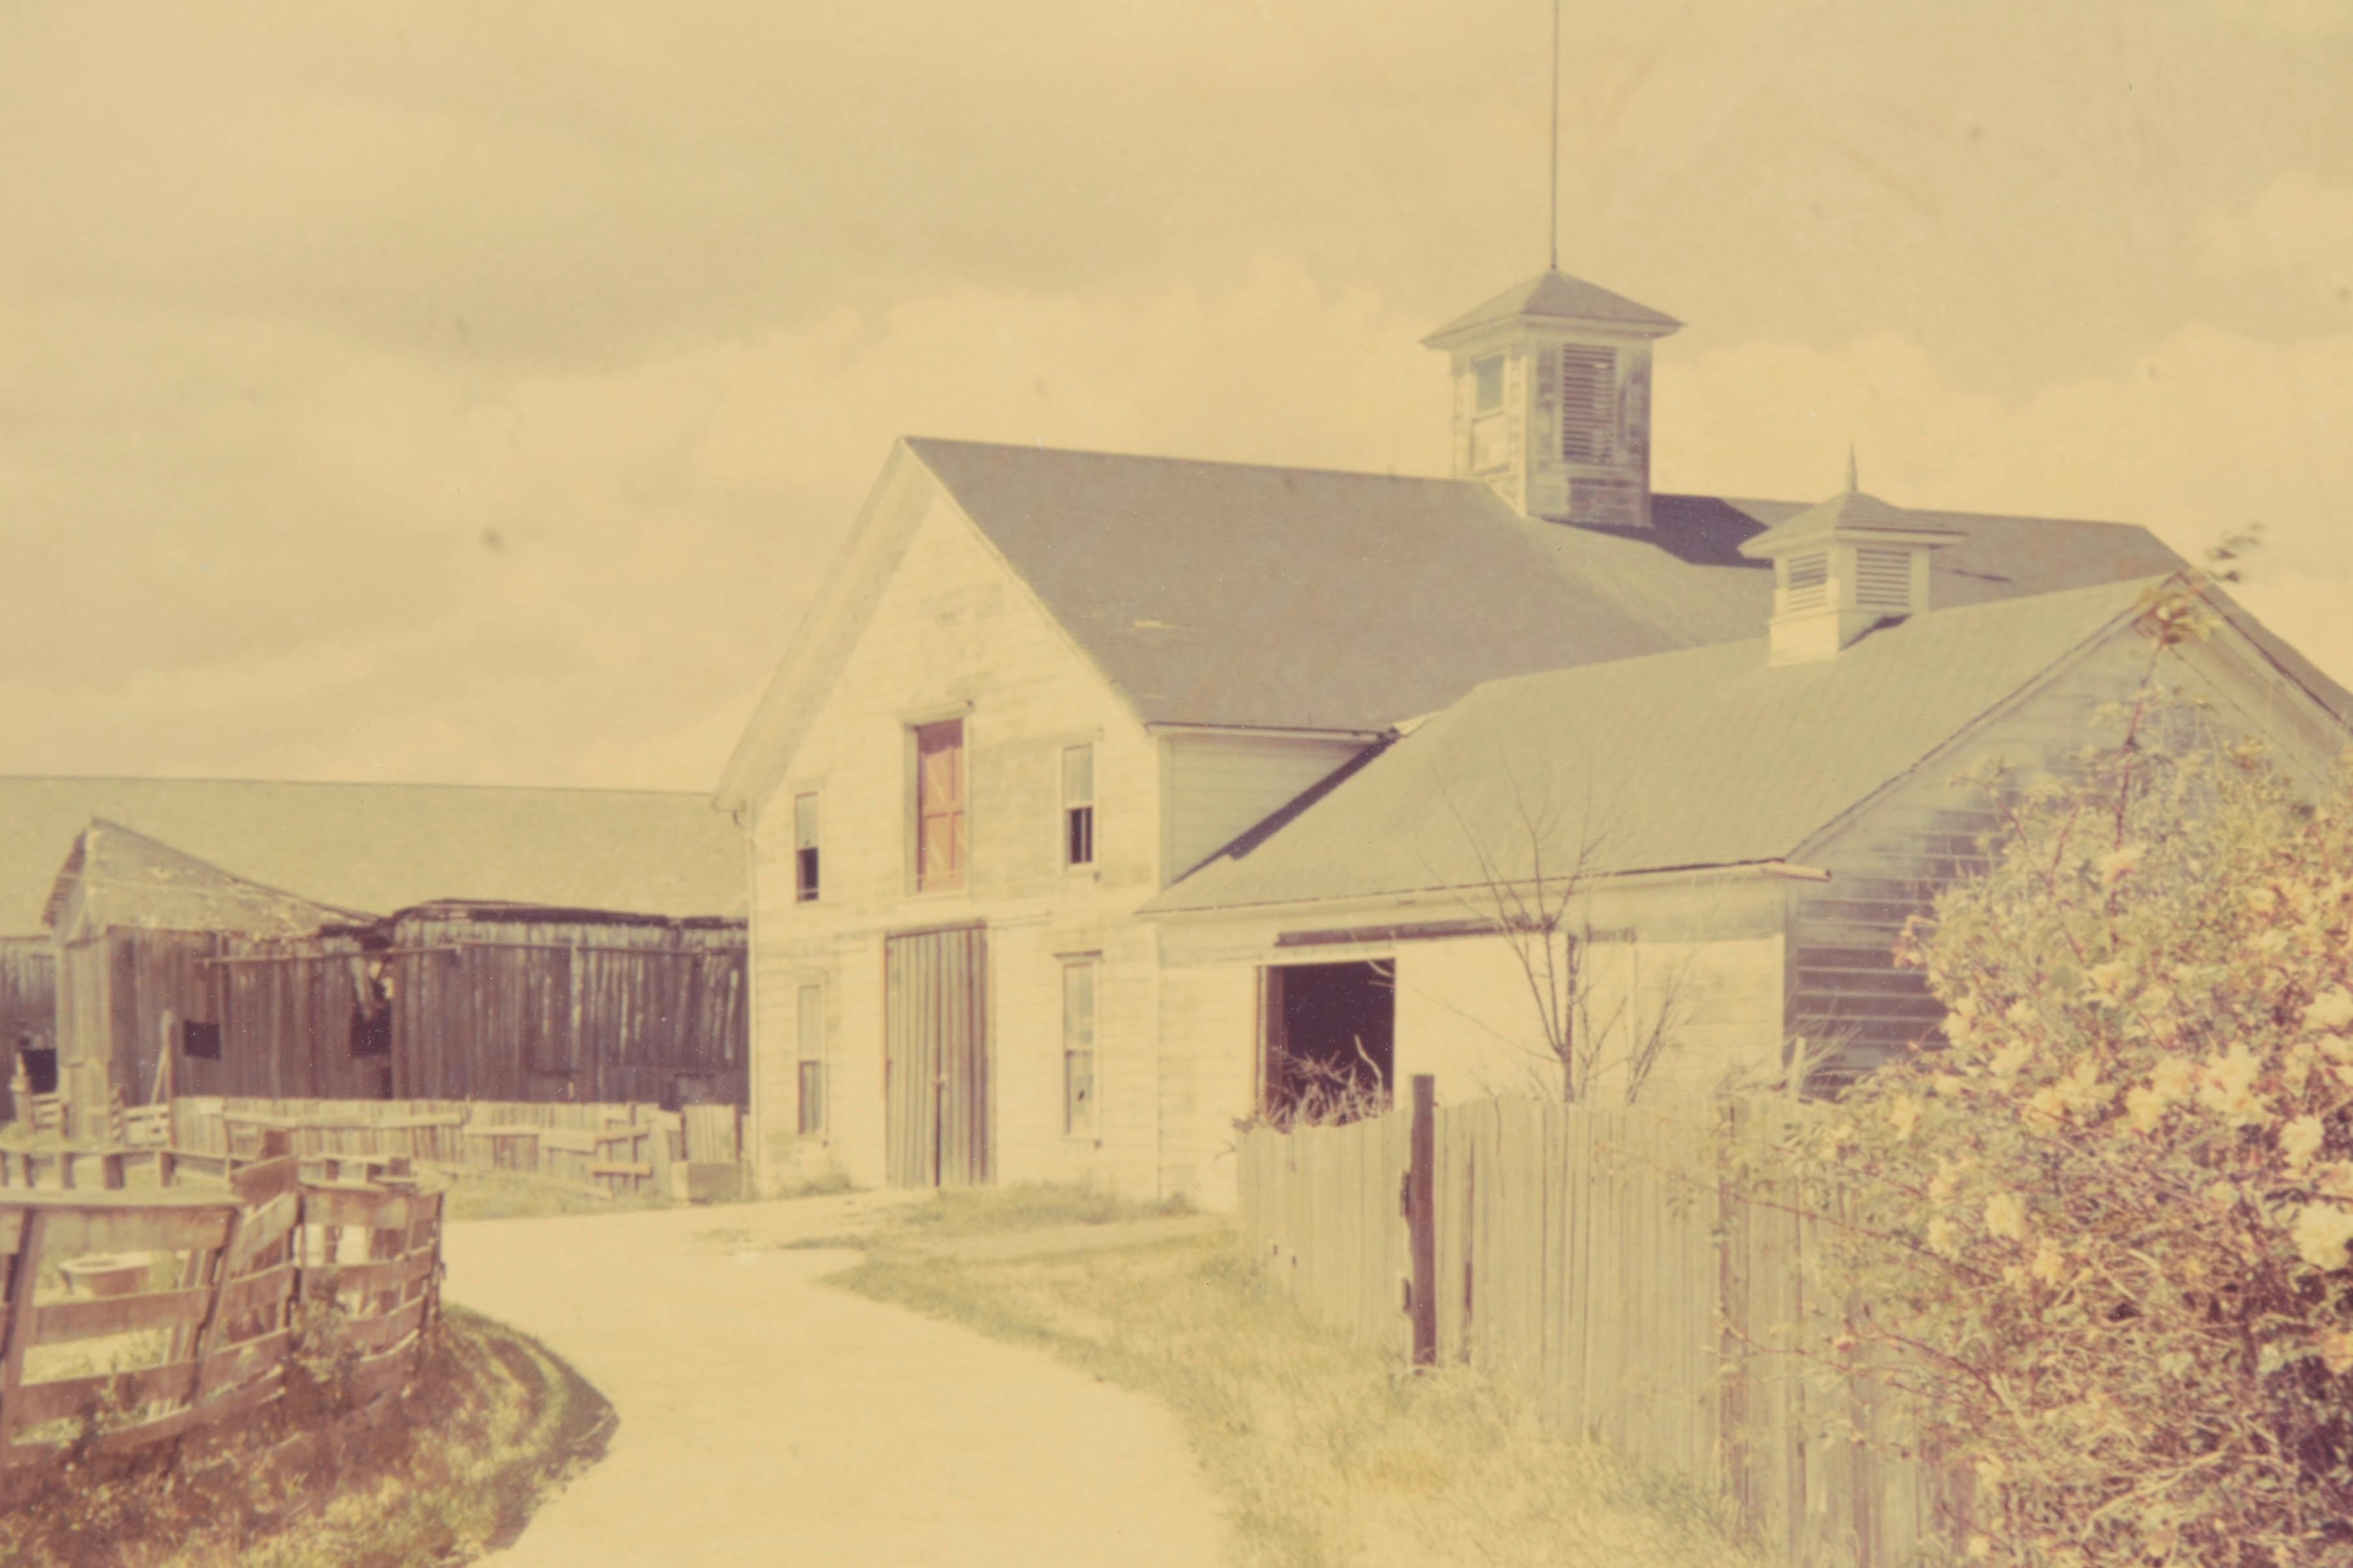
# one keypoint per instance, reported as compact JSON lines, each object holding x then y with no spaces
{"x":175,"y":974}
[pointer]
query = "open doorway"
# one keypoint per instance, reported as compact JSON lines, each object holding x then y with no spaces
{"x":1330,"y":1041}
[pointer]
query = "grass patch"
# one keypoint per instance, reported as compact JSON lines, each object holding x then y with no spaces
{"x":958,"y":1212}
{"x":518,"y":1194}
{"x":1324,"y":1453}
{"x":454,"y":1468}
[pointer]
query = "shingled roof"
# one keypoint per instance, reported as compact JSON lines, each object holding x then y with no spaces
{"x":1298,"y":598}
{"x":128,"y":879}
{"x":1707,"y":757}
{"x":384,"y":847}
{"x":1553,"y":295}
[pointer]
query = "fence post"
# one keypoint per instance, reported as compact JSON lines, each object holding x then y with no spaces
{"x":1422,"y":1218}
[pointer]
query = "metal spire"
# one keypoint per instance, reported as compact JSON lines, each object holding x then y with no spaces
{"x":1852,"y":486}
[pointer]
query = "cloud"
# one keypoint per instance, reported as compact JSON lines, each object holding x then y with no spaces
{"x":2299,"y":227}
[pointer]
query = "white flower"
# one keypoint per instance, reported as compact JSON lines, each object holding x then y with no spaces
{"x":2050,"y":1264}
{"x":1904,"y":1112}
{"x":2332,"y":1009}
{"x":2226,"y":1084}
{"x":1942,"y":1238}
{"x":2119,"y":864}
{"x":2301,"y":1139}
{"x":2108,"y":982}
{"x":2010,"y":1058}
{"x":2144,"y":1110}
{"x":2005,"y":1217}
{"x":2321,"y":1235}
{"x":2172,"y":1080}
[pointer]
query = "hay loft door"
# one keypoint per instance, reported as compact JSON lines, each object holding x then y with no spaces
{"x":935,"y":1058}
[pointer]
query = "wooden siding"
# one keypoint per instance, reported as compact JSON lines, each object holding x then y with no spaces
{"x":1222,"y":786}
{"x":952,"y":633}
{"x":1888,"y":863}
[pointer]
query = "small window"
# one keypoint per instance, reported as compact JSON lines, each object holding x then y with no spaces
{"x":809,"y":1043}
{"x":1078,"y":1047}
{"x":804,"y":849}
{"x":939,"y":805}
{"x":200,"y":1041}
{"x":1487,"y":381}
{"x":1079,"y":805}
{"x":371,"y":1032}
{"x":1588,"y":404}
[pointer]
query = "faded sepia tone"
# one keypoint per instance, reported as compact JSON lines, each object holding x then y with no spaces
{"x":1052,"y":847}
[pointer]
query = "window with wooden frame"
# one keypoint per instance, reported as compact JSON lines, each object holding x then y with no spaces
{"x":1079,"y":974}
{"x":1588,"y":404}
{"x":806,"y":868}
{"x":1079,"y":805}
{"x":939,"y":805}
{"x":810,"y":1045}
{"x":200,"y":1041}
{"x":1487,"y":383}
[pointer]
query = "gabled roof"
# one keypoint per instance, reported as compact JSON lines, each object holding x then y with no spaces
{"x":1555,"y":295}
{"x":1852,"y":512}
{"x":1708,"y":757}
{"x":1301,"y":599}
{"x":127,"y":878}
{"x":1234,"y":594}
{"x":384,"y":847}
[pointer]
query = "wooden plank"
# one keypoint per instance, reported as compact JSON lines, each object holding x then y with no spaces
{"x":388,"y":1369}
{"x":374,"y":1334}
{"x":262,"y":1228}
{"x":368,"y":1207}
{"x":258,"y":1182}
{"x":568,"y":1143}
{"x":386,"y":1273}
{"x":81,"y":1229}
{"x":621,"y":1168}
{"x":241,"y":1298}
{"x":71,"y":1396}
{"x":12,"y":1230}
{"x":16,"y":1331}
{"x":118,"y":1314}
{"x":226,"y":1365}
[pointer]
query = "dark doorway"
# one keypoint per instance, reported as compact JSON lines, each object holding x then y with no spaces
{"x":40,"y":1066}
{"x":1331,"y":1041}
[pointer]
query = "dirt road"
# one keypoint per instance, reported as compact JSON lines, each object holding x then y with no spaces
{"x":766,"y":1418}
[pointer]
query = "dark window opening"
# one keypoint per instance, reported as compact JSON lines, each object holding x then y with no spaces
{"x":1331,"y":1035}
{"x":200,"y":1041}
{"x":805,"y":848}
{"x":371,"y":1032}
{"x":40,"y":1068}
{"x":1078,"y":805}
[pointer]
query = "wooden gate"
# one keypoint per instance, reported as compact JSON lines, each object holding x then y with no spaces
{"x":936,"y":1060}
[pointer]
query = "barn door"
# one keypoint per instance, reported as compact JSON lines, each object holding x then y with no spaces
{"x":935,"y":1058}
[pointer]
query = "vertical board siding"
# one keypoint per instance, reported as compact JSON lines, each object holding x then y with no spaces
{"x":936,"y":1057}
{"x":1601,"y":1260}
{"x":28,"y":1006}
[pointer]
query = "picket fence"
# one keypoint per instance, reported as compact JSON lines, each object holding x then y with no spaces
{"x":1606,"y":1261}
{"x":132,"y":1318}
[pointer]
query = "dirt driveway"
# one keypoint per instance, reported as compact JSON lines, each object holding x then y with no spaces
{"x":766,"y":1418}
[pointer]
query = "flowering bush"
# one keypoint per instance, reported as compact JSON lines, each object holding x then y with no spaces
{"x":2109,"y":1227}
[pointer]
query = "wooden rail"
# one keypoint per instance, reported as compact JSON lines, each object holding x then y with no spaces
{"x":1605,"y":1261}
{"x":135,"y":1317}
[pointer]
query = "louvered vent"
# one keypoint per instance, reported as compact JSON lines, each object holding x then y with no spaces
{"x":1588,"y":404}
{"x":1883,"y":578}
{"x":1809,"y":587}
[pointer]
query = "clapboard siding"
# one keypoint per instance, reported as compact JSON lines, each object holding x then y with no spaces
{"x":952,"y":631}
{"x":1889,"y":862}
{"x":1222,"y":786}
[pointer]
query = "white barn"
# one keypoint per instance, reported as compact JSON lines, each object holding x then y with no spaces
{"x":1090,"y":776}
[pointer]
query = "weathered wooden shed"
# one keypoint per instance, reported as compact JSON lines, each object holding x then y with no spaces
{"x":246,"y":990}
{"x":492,"y":1001}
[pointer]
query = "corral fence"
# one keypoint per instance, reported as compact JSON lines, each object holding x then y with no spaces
{"x":1609,"y":1263}
{"x":132,"y":1318}
{"x":606,"y":1150}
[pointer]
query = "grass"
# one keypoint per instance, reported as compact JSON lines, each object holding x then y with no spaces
{"x":518,"y":1194}
{"x":1324,"y":1453}
{"x":493,"y":1423}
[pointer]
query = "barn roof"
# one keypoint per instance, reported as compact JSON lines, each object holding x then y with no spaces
{"x":127,"y":878}
{"x":1706,"y":757}
{"x":385,"y":847}
{"x":1553,"y":295}
{"x":1300,"y":598}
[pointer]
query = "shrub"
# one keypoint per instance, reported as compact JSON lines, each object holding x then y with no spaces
{"x":2106,"y":1227}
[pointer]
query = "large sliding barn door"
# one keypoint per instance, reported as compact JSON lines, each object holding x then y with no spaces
{"x":935,"y":1027}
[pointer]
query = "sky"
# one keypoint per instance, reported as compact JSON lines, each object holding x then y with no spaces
{"x":451,"y":392}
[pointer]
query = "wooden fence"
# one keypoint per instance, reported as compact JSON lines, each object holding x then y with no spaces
{"x":137,"y":1317}
{"x":611,"y":1150}
{"x":1606,"y":1261}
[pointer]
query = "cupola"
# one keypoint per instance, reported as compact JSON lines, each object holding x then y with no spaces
{"x":1552,"y":399}
{"x":1843,"y":567}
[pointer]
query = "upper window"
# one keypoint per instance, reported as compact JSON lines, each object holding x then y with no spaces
{"x":1078,"y":805}
{"x":1588,"y":404}
{"x":199,"y":1040}
{"x":1078,"y":1046}
{"x":1487,"y":382}
{"x":805,"y":848}
{"x":939,"y":805}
